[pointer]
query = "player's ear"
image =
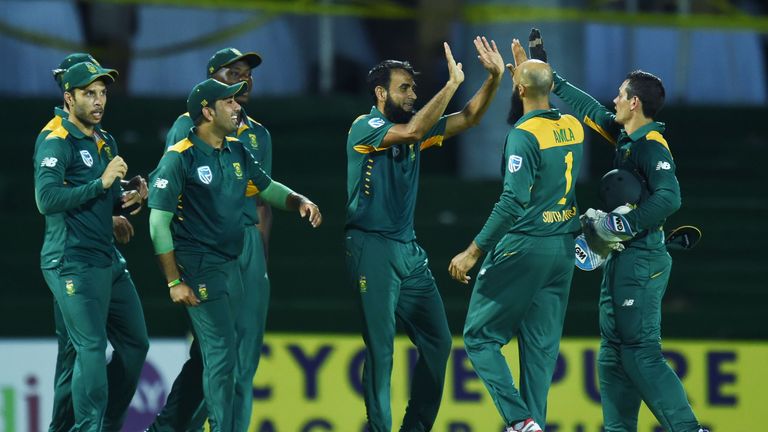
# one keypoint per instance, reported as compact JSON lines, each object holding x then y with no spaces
{"x":381,"y":93}
{"x":208,"y":113}
{"x":68,"y":100}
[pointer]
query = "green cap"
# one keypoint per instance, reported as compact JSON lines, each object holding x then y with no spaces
{"x":227,"y":56}
{"x":83,"y":74}
{"x":70,"y":60}
{"x":208,"y":92}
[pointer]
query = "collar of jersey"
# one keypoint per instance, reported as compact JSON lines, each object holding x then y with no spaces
{"x":642,"y":131}
{"x":552,"y":114}
{"x":202,"y":145}
{"x":59,"y":111}
{"x":72,"y":129}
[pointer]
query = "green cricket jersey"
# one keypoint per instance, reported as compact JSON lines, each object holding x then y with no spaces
{"x":205,"y":188}
{"x":382,"y":184}
{"x":645,"y":152}
{"x":542,"y":159}
{"x":69,"y":192}
{"x":257,"y":141}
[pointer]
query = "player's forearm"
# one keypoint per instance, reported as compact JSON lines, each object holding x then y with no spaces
{"x":54,"y":197}
{"x":168,"y":266}
{"x":428,"y":115}
{"x":502,"y":218}
{"x":590,"y":111}
{"x":652,"y":212}
{"x":474,"y":110}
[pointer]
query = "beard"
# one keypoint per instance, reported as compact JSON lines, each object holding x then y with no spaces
{"x":395,"y":113}
{"x":515,"y":108}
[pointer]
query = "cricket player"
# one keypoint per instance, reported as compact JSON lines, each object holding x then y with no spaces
{"x":77,"y":188}
{"x":211,"y":171}
{"x":631,"y":366}
{"x":385,"y":265}
{"x":184,"y":408}
{"x":528,"y":241}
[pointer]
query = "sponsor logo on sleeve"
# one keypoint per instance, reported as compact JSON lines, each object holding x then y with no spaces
{"x":49,"y":162}
{"x":515,"y":163}
{"x":160,"y":183}
{"x":376,"y":122}
{"x":662,"y":165}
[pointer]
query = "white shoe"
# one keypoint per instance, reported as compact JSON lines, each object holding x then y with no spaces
{"x":527,"y":425}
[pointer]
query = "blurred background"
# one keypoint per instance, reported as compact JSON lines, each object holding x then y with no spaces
{"x":711,"y":54}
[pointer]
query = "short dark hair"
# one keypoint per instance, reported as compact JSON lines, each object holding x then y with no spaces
{"x":649,"y":89}
{"x":381,"y":74}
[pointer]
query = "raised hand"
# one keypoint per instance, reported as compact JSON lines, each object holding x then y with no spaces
{"x":489,"y":56}
{"x":456,"y":75}
{"x":519,"y":55}
{"x":536,"y":45}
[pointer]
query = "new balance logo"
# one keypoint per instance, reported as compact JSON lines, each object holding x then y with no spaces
{"x":160,"y":183}
{"x":628,"y":302}
{"x":663,"y":166}
{"x":49,"y":162}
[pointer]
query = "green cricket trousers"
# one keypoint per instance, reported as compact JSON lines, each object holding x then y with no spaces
{"x":100,"y":304}
{"x":185,"y":409}
{"x":521,"y":291}
{"x":631,"y":366}
{"x":392,"y":279}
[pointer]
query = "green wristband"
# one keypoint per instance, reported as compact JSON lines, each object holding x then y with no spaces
{"x":174,"y":282}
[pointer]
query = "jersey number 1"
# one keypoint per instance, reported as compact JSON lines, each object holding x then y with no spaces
{"x":568,"y":176}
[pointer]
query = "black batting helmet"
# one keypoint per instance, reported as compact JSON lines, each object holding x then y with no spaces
{"x":619,"y":187}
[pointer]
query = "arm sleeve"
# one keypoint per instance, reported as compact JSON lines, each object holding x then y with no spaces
{"x":166,"y":182}
{"x":434,"y":137}
{"x":267,"y":164}
{"x":658,"y":168}
{"x":258,"y":179}
{"x":366,"y":135}
{"x":51,"y":193}
{"x":160,"y":230}
{"x":521,"y":159}
{"x":590,"y":111}
{"x":275,"y":195}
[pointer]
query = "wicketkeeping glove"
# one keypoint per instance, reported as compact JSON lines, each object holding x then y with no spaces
{"x":536,"y":46}
{"x":614,"y":226}
{"x":597,"y":244}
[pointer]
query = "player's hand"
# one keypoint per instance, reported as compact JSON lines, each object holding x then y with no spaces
{"x":614,"y":226}
{"x":310,"y":210}
{"x":463,"y":262}
{"x":122,"y":229}
{"x":183,"y":294}
{"x":596,"y":244}
{"x":132,"y":199}
{"x":139,"y":184}
{"x":519,"y":56}
{"x":455,"y":74}
{"x":489,"y":56}
{"x":115,"y":170}
{"x":536,"y":45}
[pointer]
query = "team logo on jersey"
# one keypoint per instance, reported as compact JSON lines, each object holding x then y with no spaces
{"x":395,"y":151}
{"x":203,"y":291}
{"x":254,"y":141}
{"x":108,"y":152}
{"x":204,"y":174}
{"x":238,"y":170}
{"x":49,"y":162}
{"x":662,"y":165}
{"x":412,"y":152}
{"x":515,"y":163}
{"x":363,"y":284}
{"x":376,"y":122}
{"x":87,"y":158}
{"x":69,"y":287}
